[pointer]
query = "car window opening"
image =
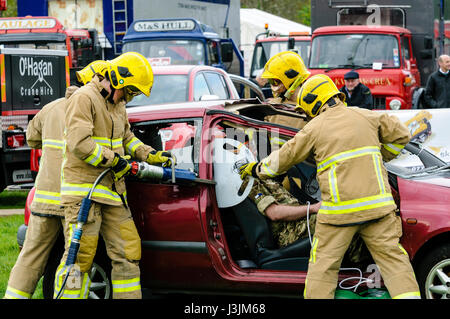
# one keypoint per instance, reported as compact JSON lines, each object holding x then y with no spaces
{"x":247,"y":232}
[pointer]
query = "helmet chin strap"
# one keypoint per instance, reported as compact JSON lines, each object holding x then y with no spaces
{"x":111,"y":95}
{"x":292,"y":88}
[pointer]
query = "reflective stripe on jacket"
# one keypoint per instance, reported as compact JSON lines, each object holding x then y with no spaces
{"x":349,"y":145}
{"x":46,"y":131}
{"x":95,"y":130}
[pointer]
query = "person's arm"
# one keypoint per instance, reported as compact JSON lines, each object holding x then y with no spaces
{"x":429,"y":93}
{"x":79,"y":130}
{"x":367,"y":99}
{"x":34,"y":131}
{"x":393,"y":134}
{"x":294,"y":151}
{"x":280,"y":212}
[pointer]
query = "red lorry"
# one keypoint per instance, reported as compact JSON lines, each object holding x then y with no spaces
{"x":268,"y":44}
{"x":390,"y":43}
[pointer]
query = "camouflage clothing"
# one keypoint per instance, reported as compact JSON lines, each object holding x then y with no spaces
{"x":267,"y":192}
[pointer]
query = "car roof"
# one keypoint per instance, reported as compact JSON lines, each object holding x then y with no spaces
{"x":251,"y":109}
{"x":173,"y":110}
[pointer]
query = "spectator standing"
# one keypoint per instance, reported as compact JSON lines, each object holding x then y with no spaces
{"x":437,"y":92}
{"x":356,"y":93}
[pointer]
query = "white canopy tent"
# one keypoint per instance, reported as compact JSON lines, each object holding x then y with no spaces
{"x":253,"y":22}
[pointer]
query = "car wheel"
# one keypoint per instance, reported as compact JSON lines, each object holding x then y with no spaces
{"x":434,"y":274}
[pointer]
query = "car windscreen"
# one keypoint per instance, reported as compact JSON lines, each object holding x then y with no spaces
{"x":167,"y":88}
{"x":354,"y":51}
{"x":265,"y":50}
{"x":169,"y":52}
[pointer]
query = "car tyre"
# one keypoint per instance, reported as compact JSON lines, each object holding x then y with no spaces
{"x":433,"y":274}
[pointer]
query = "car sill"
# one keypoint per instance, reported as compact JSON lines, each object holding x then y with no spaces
{"x":180,"y":246}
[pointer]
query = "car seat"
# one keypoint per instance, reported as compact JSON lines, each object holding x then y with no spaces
{"x":263,"y":250}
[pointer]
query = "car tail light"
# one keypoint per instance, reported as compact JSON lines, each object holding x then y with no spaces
{"x":28,"y":202}
{"x":15,"y":141}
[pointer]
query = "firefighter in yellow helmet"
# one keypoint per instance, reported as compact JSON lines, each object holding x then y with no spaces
{"x":285,"y":72}
{"x":98,"y":137}
{"x":45,"y":131}
{"x":349,"y":145}
{"x":85,"y":75}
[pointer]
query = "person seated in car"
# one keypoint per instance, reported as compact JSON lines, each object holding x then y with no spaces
{"x":288,"y":216}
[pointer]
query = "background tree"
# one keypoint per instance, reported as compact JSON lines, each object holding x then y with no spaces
{"x":12,"y":9}
{"x":295,"y":10}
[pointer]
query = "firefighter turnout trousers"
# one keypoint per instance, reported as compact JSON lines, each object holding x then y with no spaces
{"x":123,"y":245}
{"x":41,"y":235}
{"x":381,"y":238}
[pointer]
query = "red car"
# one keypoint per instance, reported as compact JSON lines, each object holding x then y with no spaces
{"x":193,"y":243}
{"x":180,"y":83}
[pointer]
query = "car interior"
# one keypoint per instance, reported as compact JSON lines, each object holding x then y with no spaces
{"x":248,"y":233}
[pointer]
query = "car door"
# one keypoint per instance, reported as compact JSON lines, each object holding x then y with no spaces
{"x":168,"y":215}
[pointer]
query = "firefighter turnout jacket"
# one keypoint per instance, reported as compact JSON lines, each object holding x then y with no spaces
{"x":95,"y":130}
{"x":45,"y":131}
{"x":349,"y":145}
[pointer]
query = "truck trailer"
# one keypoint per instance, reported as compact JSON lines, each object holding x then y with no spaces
{"x":112,"y":18}
{"x":30,"y":78}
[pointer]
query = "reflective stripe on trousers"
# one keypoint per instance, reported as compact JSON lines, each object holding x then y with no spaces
{"x":81,"y":293}
{"x":408,"y":295}
{"x":126,"y":285}
{"x":12,"y":293}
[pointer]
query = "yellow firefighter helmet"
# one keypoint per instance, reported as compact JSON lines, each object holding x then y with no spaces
{"x":132,"y":71}
{"x":86,"y":74}
{"x":315,"y":92}
{"x":287,"y":67}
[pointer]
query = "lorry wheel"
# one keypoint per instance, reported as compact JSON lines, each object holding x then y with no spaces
{"x":433,"y":274}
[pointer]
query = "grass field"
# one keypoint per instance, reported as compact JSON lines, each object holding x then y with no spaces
{"x":13,"y":199}
{"x":9,"y":249}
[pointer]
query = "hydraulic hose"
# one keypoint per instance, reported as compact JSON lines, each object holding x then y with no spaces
{"x":77,"y":234}
{"x":361,"y":278}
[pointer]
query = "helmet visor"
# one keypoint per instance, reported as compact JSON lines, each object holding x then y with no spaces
{"x":274,"y":82}
{"x":130,"y":92}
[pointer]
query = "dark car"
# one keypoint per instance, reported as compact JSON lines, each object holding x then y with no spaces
{"x":194,"y":241}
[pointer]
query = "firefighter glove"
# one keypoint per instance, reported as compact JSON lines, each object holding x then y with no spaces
{"x":161,"y":157}
{"x":120,"y":166}
{"x":248,"y":169}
